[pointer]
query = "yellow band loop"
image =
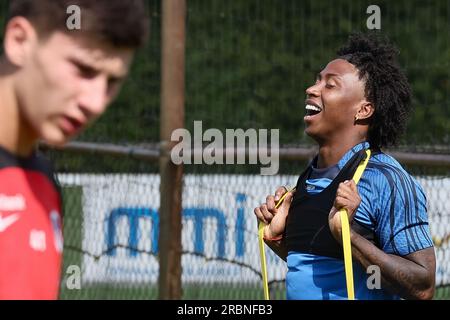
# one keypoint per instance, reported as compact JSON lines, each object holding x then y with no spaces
{"x":262,"y":252}
{"x":262,"y":255}
{"x":346,"y":242}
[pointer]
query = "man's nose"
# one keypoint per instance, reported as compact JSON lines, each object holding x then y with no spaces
{"x":94,"y":97}
{"x":313,"y":91}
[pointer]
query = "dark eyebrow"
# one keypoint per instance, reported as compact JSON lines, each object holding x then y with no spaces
{"x":83,"y":65}
{"x":89,"y":68}
{"x":328,"y":75}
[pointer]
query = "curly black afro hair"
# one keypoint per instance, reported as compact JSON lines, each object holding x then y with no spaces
{"x":386,"y":86}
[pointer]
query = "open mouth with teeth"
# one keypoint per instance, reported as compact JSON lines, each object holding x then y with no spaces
{"x":312,"y":110}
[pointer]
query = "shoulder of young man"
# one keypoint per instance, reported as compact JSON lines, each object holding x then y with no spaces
{"x":36,"y":162}
{"x":386,"y":178}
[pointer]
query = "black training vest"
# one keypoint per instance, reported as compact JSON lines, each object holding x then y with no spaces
{"x":307,"y":228}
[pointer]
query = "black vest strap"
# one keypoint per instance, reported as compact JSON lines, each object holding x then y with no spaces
{"x":307,"y":228}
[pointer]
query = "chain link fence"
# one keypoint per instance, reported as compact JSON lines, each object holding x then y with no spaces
{"x":111,"y":231}
{"x":247,"y":66}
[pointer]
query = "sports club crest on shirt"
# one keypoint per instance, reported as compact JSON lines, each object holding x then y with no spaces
{"x":57,"y":230}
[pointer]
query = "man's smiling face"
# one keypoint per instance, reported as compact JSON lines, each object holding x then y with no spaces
{"x":333,"y":101}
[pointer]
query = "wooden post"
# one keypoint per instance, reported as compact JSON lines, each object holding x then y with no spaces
{"x":172,"y":117}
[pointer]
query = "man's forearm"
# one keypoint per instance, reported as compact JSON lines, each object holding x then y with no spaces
{"x":399,"y":275}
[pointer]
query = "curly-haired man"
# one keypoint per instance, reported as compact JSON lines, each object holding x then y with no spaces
{"x":360,"y":100}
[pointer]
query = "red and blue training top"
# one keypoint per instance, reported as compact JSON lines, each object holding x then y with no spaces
{"x":30,"y":228}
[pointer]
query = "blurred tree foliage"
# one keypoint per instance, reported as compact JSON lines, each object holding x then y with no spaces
{"x":249,"y":62}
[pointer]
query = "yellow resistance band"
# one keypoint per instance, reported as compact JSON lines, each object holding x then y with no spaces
{"x":262,"y":252}
{"x":346,"y":234}
{"x":345,"y":240}
{"x":262,"y":256}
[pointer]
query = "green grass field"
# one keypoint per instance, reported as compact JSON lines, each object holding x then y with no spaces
{"x":190,"y":292}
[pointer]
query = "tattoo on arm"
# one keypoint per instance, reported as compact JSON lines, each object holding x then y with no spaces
{"x":411,"y":277}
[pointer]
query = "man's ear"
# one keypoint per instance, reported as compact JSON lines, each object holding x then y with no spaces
{"x":20,"y":37}
{"x":365,"y":111}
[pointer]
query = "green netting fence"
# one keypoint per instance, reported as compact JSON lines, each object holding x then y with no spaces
{"x":248,"y":64}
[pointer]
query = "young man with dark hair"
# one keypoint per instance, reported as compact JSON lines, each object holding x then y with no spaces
{"x":360,"y":100}
{"x":54,"y":82}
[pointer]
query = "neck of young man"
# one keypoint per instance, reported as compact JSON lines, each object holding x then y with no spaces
{"x":16,"y":136}
{"x":332,"y":150}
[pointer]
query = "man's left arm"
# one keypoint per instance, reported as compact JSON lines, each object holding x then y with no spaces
{"x":411,"y":276}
